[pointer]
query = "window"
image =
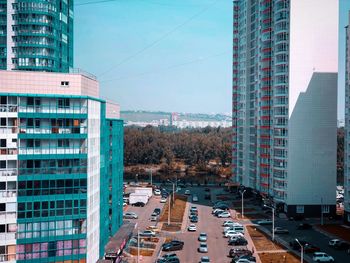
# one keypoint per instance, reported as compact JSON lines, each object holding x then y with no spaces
{"x":64,"y":83}
{"x":3,"y":100}
{"x":63,"y":103}
{"x":30,"y":101}
{"x":2,"y":228}
{"x":300,"y":209}
{"x":3,"y":122}
{"x":2,"y":142}
{"x":2,"y":207}
{"x":2,"y":164}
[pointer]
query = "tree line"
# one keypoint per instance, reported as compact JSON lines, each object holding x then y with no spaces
{"x":155,"y":145}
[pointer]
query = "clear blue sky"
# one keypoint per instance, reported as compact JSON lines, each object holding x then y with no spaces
{"x":188,"y":70}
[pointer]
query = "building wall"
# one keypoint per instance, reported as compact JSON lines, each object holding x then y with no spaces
{"x":313,"y":144}
{"x":347,"y":131}
{"x":48,"y":83}
{"x":93,"y":184}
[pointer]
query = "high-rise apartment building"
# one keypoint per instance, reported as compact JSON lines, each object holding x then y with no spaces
{"x":284,"y":101}
{"x":36,"y":35}
{"x":347,"y":131}
{"x":61,"y":168}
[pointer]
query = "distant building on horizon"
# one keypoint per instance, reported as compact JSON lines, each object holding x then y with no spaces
{"x":285,"y":102}
{"x":36,"y":35}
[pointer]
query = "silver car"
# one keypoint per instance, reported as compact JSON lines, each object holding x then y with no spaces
{"x":130,"y":215}
{"x":203,"y":247}
{"x":202,"y":237}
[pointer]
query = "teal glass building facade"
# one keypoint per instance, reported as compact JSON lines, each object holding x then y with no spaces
{"x":36,"y":35}
{"x":61,"y":169}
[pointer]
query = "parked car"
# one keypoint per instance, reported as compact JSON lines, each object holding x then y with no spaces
{"x":231,"y":223}
{"x":157,"y":192}
{"x":304,"y":226}
{"x":243,"y":260}
{"x":157,"y":211}
{"x":173,"y":245}
{"x":147,"y":233}
{"x":239,"y":241}
{"x":215,"y":211}
{"x":342,"y":245}
{"x":232,"y":233}
{"x":205,"y":260}
{"x":203,"y":247}
{"x":224,"y":214}
{"x":194,"y":198}
{"x":203,"y":237}
{"x":163,"y":200}
{"x":222,"y":207}
{"x":294,"y":244}
{"x":139,"y":204}
{"x":154,"y":217}
{"x":332,"y":242}
{"x":169,"y":260}
{"x":194,"y":219}
{"x":322,"y":257}
{"x":187,"y":192}
{"x":207,"y":196}
{"x":130,"y":215}
{"x":308,"y":248}
{"x":192,"y":228}
{"x":234,"y":228}
{"x":281,"y":230}
{"x":153,"y":228}
{"x":250,"y":258}
{"x":238,"y":252}
{"x":192,"y":214}
{"x":264,"y":222}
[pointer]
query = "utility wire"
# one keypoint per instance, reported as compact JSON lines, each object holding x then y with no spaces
{"x":168,"y":68}
{"x":152,"y":44}
{"x":95,"y":2}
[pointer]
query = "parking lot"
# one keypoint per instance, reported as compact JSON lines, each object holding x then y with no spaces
{"x":218,"y":248}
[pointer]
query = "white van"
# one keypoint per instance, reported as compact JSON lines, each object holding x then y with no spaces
{"x":239,"y":229}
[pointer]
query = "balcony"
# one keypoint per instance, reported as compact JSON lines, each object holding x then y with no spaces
{"x":53,"y":109}
{"x":8,"y":130}
{"x":8,"y":193}
{"x":54,"y":170}
{"x":52,"y":150}
{"x":8,"y":216}
{"x":8,"y":174}
{"x":8,"y":108}
{"x":53,"y":130}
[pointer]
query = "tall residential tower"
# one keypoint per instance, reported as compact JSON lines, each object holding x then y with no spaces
{"x":284,"y":101}
{"x":36,"y":35}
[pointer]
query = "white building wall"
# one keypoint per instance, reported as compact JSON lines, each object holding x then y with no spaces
{"x":93,"y":181}
{"x":313,"y":143}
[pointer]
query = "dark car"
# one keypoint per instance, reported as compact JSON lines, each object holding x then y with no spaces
{"x":342,"y":245}
{"x":169,"y":260}
{"x":139,"y":204}
{"x":207,"y":196}
{"x":238,"y":242}
{"x":250,"y":258}
{"x":308,"y":248}
{"x":304,"y":226}
{"x":173,"y":245}
{"x":157,"y":211}
{"x":294,"y":244}
{"x":194,"y":219}
{"x":238,"y":252}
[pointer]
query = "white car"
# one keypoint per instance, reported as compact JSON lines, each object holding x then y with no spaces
{"x":192,"y":227}
{"x":322,"y":257}
{"x":203,"y":247}
{"x":205,"y":260}
{"x":163,"y":200}
{"x":232,"y":233}
{"x":130,"y":215}
{"x":333,"y":242}
{"x":230,"y":223}
{"x":195,"y":198}
{"x":148,"y":233}
{"x":157,"y":192}
{"x":224,"y":214}
{"x":187,"y":192}
{"x":244,"y":260}
{"x":217,"y":210}
{"x":203,"y":237}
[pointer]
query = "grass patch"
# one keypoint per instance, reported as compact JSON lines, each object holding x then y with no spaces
{"x":261,"y":240}
{"x":171,"y":227}
{"x":177,"y":211}
{"x":337,"y":230}
{"x":278,"y":257}
{"x":143,"y":252}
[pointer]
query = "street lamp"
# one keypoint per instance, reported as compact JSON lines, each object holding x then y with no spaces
{"x":169,"y":206}
{"x":302,"y":251}
{"x":242,"y":193}
{"x":273,"y":221}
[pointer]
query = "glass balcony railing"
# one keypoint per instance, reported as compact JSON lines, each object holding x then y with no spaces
{"x":53,"y":130}
{"x":8,"y":172}
{"x":8,"y":151}
{"x":8,"y":193}
{"x":53,"y":109}
{"x":53,"y":170}
{"x":8,"y":130}
{"x":52,"y":150}
{"x":8,"y":108}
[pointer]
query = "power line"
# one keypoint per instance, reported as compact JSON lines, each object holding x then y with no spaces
{"x":159,"y":39}
{"x":95,"y":2}
{"x":168,"y":68}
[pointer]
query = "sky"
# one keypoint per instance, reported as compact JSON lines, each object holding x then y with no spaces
{"x":158,"y":54}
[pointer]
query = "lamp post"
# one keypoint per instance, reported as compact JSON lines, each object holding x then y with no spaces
{"x":151,"y":178}
{"x":302,"y":251}
{"x":321,"y":211}
{"x":242,"y":193}
{"x":138,"y":245}
{"x":273,"y":221}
